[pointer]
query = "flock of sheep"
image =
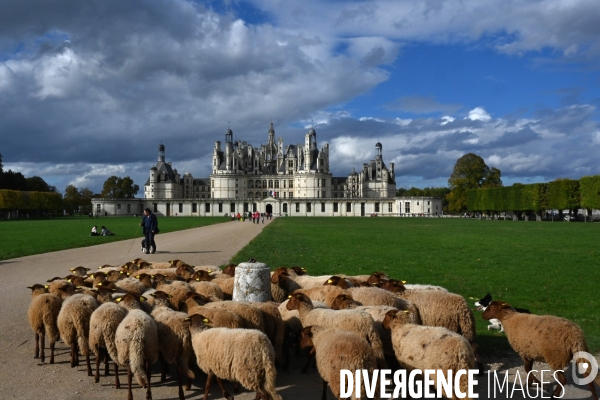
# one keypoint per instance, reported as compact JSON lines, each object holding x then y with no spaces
{"x":141,"y":313}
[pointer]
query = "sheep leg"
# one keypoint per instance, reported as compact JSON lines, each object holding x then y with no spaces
{"x":188,"y":385}
{"x":225,"y":392}
{"x":164,"y":368}
{"x":37,"y":345}
{"x":73,"y":355}
{"x":528,"y":365}
{"x":207,"y":388}
{"x":324,"y":395}
{"x":148,"y":376}
{"x":117,"y":382}
{"x":308,"y":362}
{"x":236,"y":387}
{"x":179,"y":379}
{"x":43,"y":345}
{"x":76,"y":353}
{"x":51,"y":352}
{"x":97,"y":374}
{"x":106,"y":368}
{"x":129,"y":378}
{"x":560,"y":377}
{"x":88,"y":364}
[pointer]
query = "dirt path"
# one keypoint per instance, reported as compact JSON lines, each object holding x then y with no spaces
{"x":23,"y":377}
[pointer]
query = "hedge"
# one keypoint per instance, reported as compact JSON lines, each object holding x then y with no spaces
{"x":16,"y":200}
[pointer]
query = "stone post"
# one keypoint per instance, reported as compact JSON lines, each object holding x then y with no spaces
{"x":252,"y":282}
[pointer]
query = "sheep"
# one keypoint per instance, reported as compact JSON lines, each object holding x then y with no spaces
{"x":80,"y":271}
{"x":307,"y":281}
{"x":103,"y":328}
{"x":429,"y":347}
{"x":229,"y":270}
{"x":42,"y":313}
{"x":344,"y":301}
{"x":61,"y":288}
{"x":336,"y":350}
{"x":74,"y":326}
{"x":282,"y":277}
{"x":131,"y":285}
{"x":546,"y":338}
{"x":161,"y":265}
{"x":252,"y":317}
{"x":374,"y":296}
{"x":176,"y":289}
{"x":208,"y":289}
{"x":274,"y":327}
{"x":220,"y":318}
{"x":174,"y":338}
{"x":242,"y":355}
{"x":416,"y":286}
{"x":292,"y":328}
{"x":137,"y":344}
{"x":325,"y":294}
{"x":226,"y":285}
{"x":358,"y":322}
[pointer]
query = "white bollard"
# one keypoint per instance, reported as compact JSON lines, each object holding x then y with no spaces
{"x":252,"y":282}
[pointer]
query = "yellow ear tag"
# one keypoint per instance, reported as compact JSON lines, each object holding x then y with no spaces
{"x":152,"y":276}
{"x":329,"y":281}
{"x":72,"y":269}
{"x":121,"y":272}
{"x":198,"y":279}
{"x":406,"y":311}
{"x":403,"y":281}
{"x":118,"y":299}
{"x":46,"y":286}
{"x":128,"y":274}
{"x":205,"y":320}
{"x":186,"y":319}
{"x":142,"y":298}
{"x":92,"y":276}
{"x":209,"y":271}
{"x":68,"y":280}
{"x":99,"y":284}
{"x":289,"y":296}
{"x":137,"y":277}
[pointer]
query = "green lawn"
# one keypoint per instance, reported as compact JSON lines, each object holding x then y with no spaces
{"x":20,"y":238}
{"x":549,"y":268}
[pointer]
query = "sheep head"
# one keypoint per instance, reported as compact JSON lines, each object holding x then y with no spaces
{"x":337,"y":281}
{"x":497,"y":309}
{"x":376,"y":277}
{"x":201,"y":276}
{"x":176,"y":263}
{"x":185,"y":270}
{"x":296,"y":300}
{"x":146,"y":279}
{"x":344,"y":301}
{"x":38,"y":289}
{"x":130,"y":300}
{"x":138,"y":260}
{"x":392,"y":285}
{"x":299,"y":270}
{"x":397,"y":317}
{"x":278,"y":275}
{"x":230,"y":269}
{"x":79,"y":271}
{"x":198,"y":322}
{"x":306,"y":338}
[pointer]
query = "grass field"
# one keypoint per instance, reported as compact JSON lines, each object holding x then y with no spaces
{"x":549,"y":268}
{"x":20,"y":238}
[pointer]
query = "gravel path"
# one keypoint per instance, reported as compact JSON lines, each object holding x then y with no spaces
{"x":23,"y":377}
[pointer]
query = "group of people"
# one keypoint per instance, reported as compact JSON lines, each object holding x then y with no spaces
{"x":104,"y":231}
{"x":257,"y":217}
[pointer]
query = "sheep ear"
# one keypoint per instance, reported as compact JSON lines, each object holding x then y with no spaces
{"x":68,"y":280}
{"x":406,"y":312}
{"x":152,"y":276}
{"x":209,"y":271}
{"x":92,"y":276}
{"x":205,"y":320}
{"x":403,"y":282}
{"x":98,"y":284}
{"x":329,"y":281}
{"x":29,"y":287}
{"x":121,"y":272}
{"x":46,"y":286}
{"x":87,"y":269}
{"x":137,"y":277}
{"x":142,"y":298}
{"x":118,"y":299}
{"x":72,"y":269}
{"x":289,"y":296}
{"x":198,"y":279}
{"x":187,"y":319}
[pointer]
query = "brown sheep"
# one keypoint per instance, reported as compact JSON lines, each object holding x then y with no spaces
{"x":43,"y":312}
{"x":546,"y":338}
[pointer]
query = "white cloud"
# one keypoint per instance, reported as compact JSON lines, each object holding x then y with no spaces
{"x":479,"y":114}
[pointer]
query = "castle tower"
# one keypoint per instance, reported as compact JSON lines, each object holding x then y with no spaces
{"x":161,"y":153}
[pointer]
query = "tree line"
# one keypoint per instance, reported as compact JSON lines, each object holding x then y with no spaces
{"x":560,"y":194}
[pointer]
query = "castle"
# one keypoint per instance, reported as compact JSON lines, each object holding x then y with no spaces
{"x":292,"y":180}
{"x":241,"y":171}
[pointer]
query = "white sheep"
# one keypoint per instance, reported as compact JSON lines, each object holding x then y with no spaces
{"x":74,"y":326}
{"x":242,"y":355}
{"x":429,"y":347}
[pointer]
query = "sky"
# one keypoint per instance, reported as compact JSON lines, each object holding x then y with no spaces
{"x":89,"y":89}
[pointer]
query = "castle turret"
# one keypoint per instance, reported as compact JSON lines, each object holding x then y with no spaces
{"x":161,"y":153}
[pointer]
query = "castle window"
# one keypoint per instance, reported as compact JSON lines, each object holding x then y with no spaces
{"x":194,"y":207}
{"x":220,"y":207}
{"x":308,"y":207}
{"x":322,"y":207}
{"x":335,"y":207}
{"x":389,"y":207}
{"x":376,"y":207}
{"x":297,"y":207}
{"x":276,"y":184}
{"x":285,"y":207}
{"x":180,"y":207}
{"x":291,"y":183}
{"x":348,"y":207}
{"x":291,"y":195}
{"x":270,"y":183}
{"x":207,"y":207}
{"x":407,"y":207}
{"x":324,"y":182}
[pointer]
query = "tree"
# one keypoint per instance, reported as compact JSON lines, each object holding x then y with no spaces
{"x":37,"y":184}
{"x":470,"y":172}
{"x":115,"y":187}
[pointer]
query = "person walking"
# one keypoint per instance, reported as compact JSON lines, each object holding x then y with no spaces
{"x":150,"y":226}
{"x":263,"y":219}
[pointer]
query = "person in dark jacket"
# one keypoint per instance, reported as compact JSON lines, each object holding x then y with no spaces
{"x":150,"y":225}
